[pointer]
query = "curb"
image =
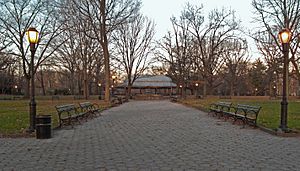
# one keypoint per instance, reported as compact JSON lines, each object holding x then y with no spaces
{"x":293,"y":133}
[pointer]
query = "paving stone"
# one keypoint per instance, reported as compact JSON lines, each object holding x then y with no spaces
{"x":152,"y":135}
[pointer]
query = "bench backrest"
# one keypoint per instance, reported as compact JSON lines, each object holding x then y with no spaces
{"x":65,"y":108}
{"x":85,"y":104}
{"x":224,"y":106}
{"x":248,"y":109}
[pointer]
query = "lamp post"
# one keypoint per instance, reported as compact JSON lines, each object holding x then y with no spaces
{"x":284,"y":36}
{"x":99,"y":85}
{"x":113,"y":84}
{"x":16,"y":89}
{"x":274,"y":90}
{"x":32,"y":35}
{"x":99,"y":91}
{"x":197,"y":85}
{"x":180,"y":86}
{"x":275,"y":83}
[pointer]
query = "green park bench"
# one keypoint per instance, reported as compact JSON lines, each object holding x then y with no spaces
{"x":246,"y":113}
{"x":69,"y":113}
{"x":219,"y":108}
{"x":88,"y":107}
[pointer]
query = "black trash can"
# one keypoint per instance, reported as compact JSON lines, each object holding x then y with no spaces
{"x":43,"y":126}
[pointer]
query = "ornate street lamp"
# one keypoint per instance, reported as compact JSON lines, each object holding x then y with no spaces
{"x":285,"y":37}
{"x":33,"y":38}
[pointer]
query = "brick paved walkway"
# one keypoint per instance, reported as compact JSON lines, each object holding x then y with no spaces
{"x":153,"y":135}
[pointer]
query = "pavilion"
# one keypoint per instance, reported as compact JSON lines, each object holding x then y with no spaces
{"x":151,"y":85}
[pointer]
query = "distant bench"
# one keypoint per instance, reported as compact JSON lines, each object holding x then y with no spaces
{"x":174,"y":98}
{"x":248,"y":114}
{"x":117,"y":100}
{"x":69,"y":113}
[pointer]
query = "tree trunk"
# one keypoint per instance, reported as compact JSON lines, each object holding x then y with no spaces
{"x":205,"y":88}
{"x":27,"y":88}
{"x":42,"y":83}
{"x":298,"y":88}
{"x":107,"y":74}
{"x":85,"y":84}
{"x":98,"y":80}
{"x":79,"y":85}
{"x":104,"y":44}
{"x":231,"y":89}
{"x":128,"y":91}
{"x":184,"y":91}
{"x":72,"y":82}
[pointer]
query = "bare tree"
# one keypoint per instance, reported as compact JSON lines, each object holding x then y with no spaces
{"x":273,"y":16}
{"x":209,"y":38}
{"x":6,"y":60}
{"x":80,"y":54}
{"x":105,"y":16}
{"x":177,"y":53}
{"x":272,"y":56}
{"x":133,"y":44}
{"x":199,"y":45}
{"x":236,"y":60}
{"x":17,"y":16}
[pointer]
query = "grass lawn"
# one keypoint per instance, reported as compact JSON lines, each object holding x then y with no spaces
{"x":14,"y":114}
{"x":269,"y":115}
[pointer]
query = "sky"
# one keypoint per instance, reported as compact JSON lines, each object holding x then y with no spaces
{"x":161,"y":11}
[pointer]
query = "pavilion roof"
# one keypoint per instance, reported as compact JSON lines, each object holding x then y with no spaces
{"x":158,"y":81}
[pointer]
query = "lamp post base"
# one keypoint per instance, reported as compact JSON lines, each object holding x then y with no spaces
{"x":283,"y":130}
{"x":32,"y":113}
{"x":30,"y":130}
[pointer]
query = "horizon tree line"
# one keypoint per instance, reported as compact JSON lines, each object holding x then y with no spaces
{"x":82,"y":45}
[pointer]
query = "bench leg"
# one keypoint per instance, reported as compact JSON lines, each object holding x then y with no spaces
{"x":244,"y":123}
{"x":234,"y":120}
{"x":210,"y":112}
{"x":225,"y":117}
